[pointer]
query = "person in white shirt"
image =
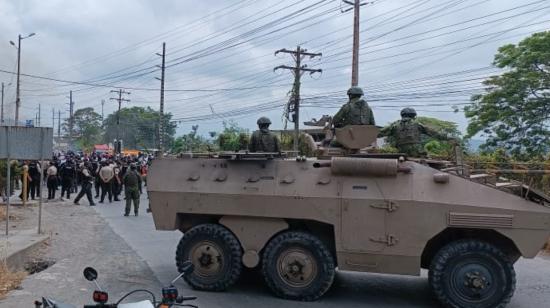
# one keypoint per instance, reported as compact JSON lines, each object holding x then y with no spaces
{"x":51,"y":181}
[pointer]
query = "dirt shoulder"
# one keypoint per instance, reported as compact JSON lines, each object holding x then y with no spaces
{"x":79,"y":238}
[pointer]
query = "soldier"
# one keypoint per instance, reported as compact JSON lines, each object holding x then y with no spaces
{"x":34,"y":184}
{"x":117,"y":181}
{"x":132,"y":184}
{"x":87,"y":180}
{"x":355,"y":112}
{"x":68,"y":174}
{"x":406,"y":134}
{"x":263,"y":140}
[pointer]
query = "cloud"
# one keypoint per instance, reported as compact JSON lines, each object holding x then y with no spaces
{"x":97,"y":39}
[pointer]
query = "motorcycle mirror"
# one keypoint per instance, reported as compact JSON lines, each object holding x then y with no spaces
{"x":90,"y":274}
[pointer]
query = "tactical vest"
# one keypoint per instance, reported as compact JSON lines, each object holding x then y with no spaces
{"x":407,"y":132}
{"x":360,"y":113}
{"x":265,"y":142}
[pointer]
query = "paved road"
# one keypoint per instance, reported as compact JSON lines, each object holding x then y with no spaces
{"x":157,"y":248}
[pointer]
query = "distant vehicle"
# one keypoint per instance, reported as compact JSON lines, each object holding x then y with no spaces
{"x":301,"y":219}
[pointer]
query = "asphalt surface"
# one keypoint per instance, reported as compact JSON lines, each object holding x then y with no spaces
{"x":157,"y":248}
{"x":79,"y":237}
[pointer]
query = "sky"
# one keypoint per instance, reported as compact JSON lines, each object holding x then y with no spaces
{"x":428,"y":54}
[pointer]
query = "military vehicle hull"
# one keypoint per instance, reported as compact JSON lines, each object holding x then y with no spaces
{"x":371,"y":215}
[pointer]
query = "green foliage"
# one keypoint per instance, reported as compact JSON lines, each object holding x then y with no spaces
{"x":87,"y":129}
{"x":139,"y":128}
{"x":16,"y":172}
{"x":513,"y":113}
{"x":233,"y":137}
{"x":386,"y":149}
{"x":445,"y":128}
{"x":287,"y":144}
{"x":438,"y":148}
{"x":192,"y":142}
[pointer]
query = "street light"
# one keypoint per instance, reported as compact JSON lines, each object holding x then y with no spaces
{"x":18,"y":98}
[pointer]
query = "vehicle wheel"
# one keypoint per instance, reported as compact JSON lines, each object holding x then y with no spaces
{"x":216,"y":254}
{"x":472,"y":273}
{"x":298,"y":266}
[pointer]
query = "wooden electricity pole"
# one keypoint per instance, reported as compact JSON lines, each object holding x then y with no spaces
{"x":355,"y":58}
{"x":294,"y":106}
{"x":120,"y":100}
{"x":161,"y":109}
{"x":71,"y":118}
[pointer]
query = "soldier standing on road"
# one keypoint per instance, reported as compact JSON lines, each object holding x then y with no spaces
{"x":106,"y":175}
{"x":263,"y":140}
{"x":35,"y":181}
{"x":68,"y":175}
{"x":355,"y":112}
{"x":95,"y":173}
{"x":87,"y":180}
{"x":132,"y":184}
{"x":406,"y":134}
{"x":117,"y":182}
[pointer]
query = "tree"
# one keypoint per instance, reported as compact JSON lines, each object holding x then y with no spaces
{"x":233,"y":137}
{"x":86,"y":127}
{"x":513,"y":114}
{"x":138,"y":128}
{"x":192,"y":142}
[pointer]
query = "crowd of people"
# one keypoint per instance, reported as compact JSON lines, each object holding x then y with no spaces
{"x":76,"y":173}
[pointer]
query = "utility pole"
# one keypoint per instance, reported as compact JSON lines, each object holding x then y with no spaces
{"x":294,"y":106}
{"x":71,"y":118}
{"x":102,"y":103}
{"x":161,"y":109}
{"x":120,"y":100}
{"x":2,"y":106}
{"x":17,"y":96}
{"x":39,"y":116}
{"x":355,"y":58}
{"x":58,"y":122}
{"x":53,"y":119}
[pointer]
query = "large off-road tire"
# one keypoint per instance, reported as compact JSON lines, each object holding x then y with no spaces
{"x":216,"y":254}
{"x":298,"y":266}
{"x":472,"y":273}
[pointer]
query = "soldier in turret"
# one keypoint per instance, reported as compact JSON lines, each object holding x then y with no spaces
{"x":406,"y":134}
{"x":355,"y":112}
{"x":263,"y":140}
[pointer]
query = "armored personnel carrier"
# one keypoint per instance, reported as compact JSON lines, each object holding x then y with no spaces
{"x":299,"y":220}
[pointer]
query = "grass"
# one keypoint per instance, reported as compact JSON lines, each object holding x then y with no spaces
{"x":9,"y":280}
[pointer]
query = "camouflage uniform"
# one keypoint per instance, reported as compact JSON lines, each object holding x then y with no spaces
{"x":406,"y":134}
{"x":132,"y":184}
{"x":263,"y":140}
{"x":355,"y":112}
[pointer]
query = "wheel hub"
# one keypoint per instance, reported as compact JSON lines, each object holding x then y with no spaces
{"x":207,"y":258}
{"x":296,"y":267}
{"x":473,"y":281}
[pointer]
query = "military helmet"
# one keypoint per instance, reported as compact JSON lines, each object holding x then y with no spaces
{"x":355,"y":91}
{"x":264,"y":120}
{"x":408,"y":112}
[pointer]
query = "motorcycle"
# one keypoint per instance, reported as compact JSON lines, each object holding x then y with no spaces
{"x":170,"y":295}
